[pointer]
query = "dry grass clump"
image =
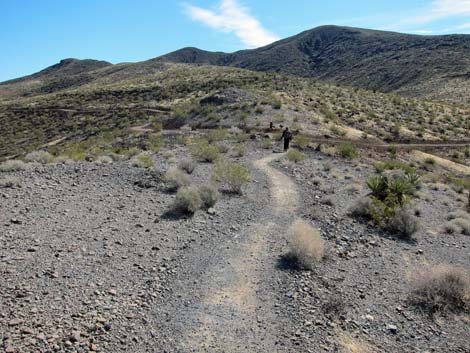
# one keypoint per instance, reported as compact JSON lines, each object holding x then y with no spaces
{"x":10,"y":182}
{"x":188,"y":200}
{"x":441,"y":288}
{"x":41,"y":157}
{"x":175,"y":178}
{"x":63,"y":160}
{"x":306,"y":245}
{"x":188,"y":165}
{"x":458,"y":214}
{"x":12,"y":165}
{"x":458,"y":223}
{"x":403,"y":223}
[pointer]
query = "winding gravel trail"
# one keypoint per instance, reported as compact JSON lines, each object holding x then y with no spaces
{"x":236,"y":309}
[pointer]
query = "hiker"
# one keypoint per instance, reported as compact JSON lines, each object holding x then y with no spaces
{"x":271,"y":126}
{"x":287,"y":136}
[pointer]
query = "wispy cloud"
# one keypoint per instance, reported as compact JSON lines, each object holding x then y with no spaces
{"x":441,"y":9}
{"x":231,"y":17}
{"x":434,"y":14}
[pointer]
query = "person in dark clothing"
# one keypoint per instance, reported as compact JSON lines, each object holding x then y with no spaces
{"x":287,"y":136}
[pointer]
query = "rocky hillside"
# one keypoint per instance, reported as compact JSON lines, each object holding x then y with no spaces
{"x":435,"y":67}
{"x":384,"y":61}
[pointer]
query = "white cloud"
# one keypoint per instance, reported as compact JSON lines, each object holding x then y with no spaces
{"x":441,"y":9}
{"x":231,"y":17}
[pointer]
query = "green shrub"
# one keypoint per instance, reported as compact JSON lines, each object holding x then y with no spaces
{"x":12,"y":165}
{"x":337,"y":130}
{"x":380,"y":167}
{"x":216,"y":135}
{"x":295,"y":156}
{"x":302,"y":141}
{"x":175,"y":178}
{"x":231,"y":175}
{"x":205,"y":152}
{"x":188,"y":200}
{"x":347,"y":150}
{"x":239,"y":151}
{"x":143,"y":160}
{"x":209,"y":195}
{"x":266,"y":144}
{"x":42,"y":157}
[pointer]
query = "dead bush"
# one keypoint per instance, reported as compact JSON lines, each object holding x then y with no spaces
{"x":42,"y":157}
{"x":188,"y":200}
{"x":12,"y":165}
{"x":306,"y":245}
{"x":403,"y":224}
{"x":9,"y":182}
{"x":175,"y":178}
{"x":188,"y":165}
{"x":209,"y":195}
{"x":441,"y":289}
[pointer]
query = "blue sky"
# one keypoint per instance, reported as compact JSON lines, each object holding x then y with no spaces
{"x":35,"y":34}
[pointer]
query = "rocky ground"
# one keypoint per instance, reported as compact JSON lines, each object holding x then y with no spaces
{"x":91,"y":261}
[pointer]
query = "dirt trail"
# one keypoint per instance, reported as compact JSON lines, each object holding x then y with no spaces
{"x":237,"y":314}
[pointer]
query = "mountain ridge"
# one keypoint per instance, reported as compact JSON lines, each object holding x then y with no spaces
{"x":436,"y":67}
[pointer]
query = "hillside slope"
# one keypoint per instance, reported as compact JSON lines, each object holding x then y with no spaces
{"x":412,"y":65}
{"x":433,"y":67}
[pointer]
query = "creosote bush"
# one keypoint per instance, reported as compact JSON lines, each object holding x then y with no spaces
{"x":306,"y":245}
{"x":231,"y":175}
{"x":175,"y":178}
{"x":441,"y":289}
{"x":42,"y":157}
{"x":12,"y":165}
{"x":188,"y":200}
{"x":302,"y":141}
{"x":295,"y":156}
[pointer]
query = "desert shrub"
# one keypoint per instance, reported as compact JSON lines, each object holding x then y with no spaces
{"x":441,"y":289}
{"x":104,"y":160}
{"x":223,"y":148}
{"x":266,"y":144}
{"x":216,"y":135}
{"x":188,"y":200}
{"x":458,"y":214}
{"x":9,"y":182}
{"x":187,"y":164}
{"x":42,"y":157}
{"x":231,"y":175}
{"x":393,"y":165}
{"x":239,"y":151}
{"x":403,"y":223}
{"x":12,"y":165}
{"x":175,"y":178}
{"x":302,"y":141}
{"x":306,"y":245}
{"x":205,"y":152}
{"x":143,"y":160}
{"x":63,"y":160}
{"x":337,"y":130}
{"x":347,"y":150}
{"x":295,"y":156}
{"x":209,"y":195}
{"x":458,"y":226}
